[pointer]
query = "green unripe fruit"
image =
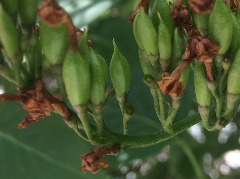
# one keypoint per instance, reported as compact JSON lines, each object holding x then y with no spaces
{"x":203,"y":94}
{"x":136,"y":32}
{"x":221,"y":25}
{"x":119,"y":72}
{"x":146,"y":66}
{"x":233,"y":82}
{"x":77,"y":78}
{"x":10,"y":6}
{"x":54,"y":41}
{"x":8,"y":35}
{"x":165,"y":12}
{"x":98,"y":69}
{"x":201,"y":21}
{"x":83,"y":45}
{"x":235,"y":42}
{"x":185,"y":75}
{"x":148,"y":33}
{"x":28,"y":11}
{"x":164,"y":45}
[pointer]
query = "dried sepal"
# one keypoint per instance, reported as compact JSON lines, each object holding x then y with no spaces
{"x":92,"y":160}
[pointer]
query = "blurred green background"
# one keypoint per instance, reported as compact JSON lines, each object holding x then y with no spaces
{"x":50,"y":150}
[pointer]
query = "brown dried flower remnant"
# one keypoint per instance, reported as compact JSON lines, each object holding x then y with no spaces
{"x":141,"y":4}
{"x":183,"y":18}
{"x":91,"y":161}
{"x":234,"y":4}
{"x":170,"y":84}
{"x":54,"y":15}
{"x":201,"y":6}
{"x":38,"y":103}
{"x":200,"y":48}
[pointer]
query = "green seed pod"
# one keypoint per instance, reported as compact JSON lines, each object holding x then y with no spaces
{"x":235,"y":42}
{"x":221,"y":25}
{"x":148,"y":33}
{"x":54,"y":41}
{"x":185,"y":75}
{"x":77,"y":78}
{"x":83,"y":45}
{"x":27,"y":10}
{"x":119,"y":72}
{"x":8,"y":35}
{"x":164,"y":45}
{"x":10,"y":7}
{"x":98,"y":69}
{"x":203,"y":94}
{"x":146,"y":67}
{"x":201,"y":21}
{"x":233,"y":82}
{"x":178,"y":47}
{"x":136,"y":31}
{"x":165,"y":12}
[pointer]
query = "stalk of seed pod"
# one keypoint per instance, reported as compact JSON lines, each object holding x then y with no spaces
{"x":164,"y":45}
{"x":203,"y":94}
{"x":27,"y":10}
{"x":9,"y":36}
{"x":235,"y":42}
{"x":10,"y":7}
{"x":221,"y":25}
{"x":201,"y":21}
{"x":77,"y":80}
{"x":54,"y":41}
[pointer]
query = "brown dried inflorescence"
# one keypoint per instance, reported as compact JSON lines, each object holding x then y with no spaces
{"x":198,"y":47}
{"x":141,"y":4}
{"x":38,"y":103}
{"x":91,"y":161}
{"x":201,"y":6}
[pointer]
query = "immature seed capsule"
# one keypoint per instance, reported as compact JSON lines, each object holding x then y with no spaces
{"x":10,"y":7}
{"x":221,"y":25}
{"x":235,"y":42}
{"x":83,"y":45}
{"x":146,"y":67}
{"x":27,"y":10}
{"x":119,"y":72}
{"x":165,"y":12}
{"x":201,"y":21}
{"x":8,"y":34}
{"x":203,"y":94}
{"x":77,"y":78}
{"x":147,"y":33}
{"x":233,"y":82}
{"x":54,"y":41}
{"x":98,"y":69}
{"x":164,"y":45}
{"x":136,"y":32}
